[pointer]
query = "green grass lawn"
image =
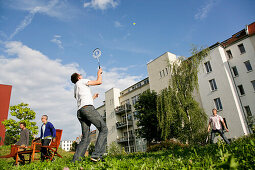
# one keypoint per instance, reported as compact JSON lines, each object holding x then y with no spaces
{"x":239,"y":155}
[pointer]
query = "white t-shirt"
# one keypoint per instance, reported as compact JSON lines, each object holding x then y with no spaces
{"x":43,"y":130}
{"x":82,"y":93}
{"x":215,"y":122}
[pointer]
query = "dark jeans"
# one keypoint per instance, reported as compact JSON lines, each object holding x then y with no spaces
{"x":89,"y":115}
{"x":221,"y":134}
{"x":44,"y":151}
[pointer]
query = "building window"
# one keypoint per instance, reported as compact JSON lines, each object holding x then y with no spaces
{"x":248,"y":111}
{"x":213,"y":84}
{"x":135,"y":114}
{"x":146,"y":81}
{"x":135,"y":99}
{"x":208,"y":67}
{"x":166,"y":71}
{"x":163,"y":71}
{"x":235,"y":72}
{"x":248,"y":65}
{"x":160,"y":74}
{"x":241,"y":90}
{"x":229,"y":54}
{"x":241,"y":48}
{"x":218,"y":104}
{"x":253,"y":84}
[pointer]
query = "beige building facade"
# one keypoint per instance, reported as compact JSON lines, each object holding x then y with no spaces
{"x":226,"y":81}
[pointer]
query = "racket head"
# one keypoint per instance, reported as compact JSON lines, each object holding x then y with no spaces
{"x":97,"y":53}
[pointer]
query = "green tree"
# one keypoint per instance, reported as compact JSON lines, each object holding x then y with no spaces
{"x":24,"y":114}
{"x":74,"y":146}
{"x":147,"y":122}
{"x":179,"y":113}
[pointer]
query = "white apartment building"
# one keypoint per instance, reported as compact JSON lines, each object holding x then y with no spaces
{"x":226,"y":82}
{"x":66,"y":144}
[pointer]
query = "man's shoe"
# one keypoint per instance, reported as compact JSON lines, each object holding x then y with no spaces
{"x":93,"y":159}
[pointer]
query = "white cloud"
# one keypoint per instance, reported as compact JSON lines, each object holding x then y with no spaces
{"x":45,"y":85}
{"x":52,"y":8}
{"x":117,"y":24}
{"x":56,"y":40}
{"x":203,"y":12}
{"x":101,"y":4}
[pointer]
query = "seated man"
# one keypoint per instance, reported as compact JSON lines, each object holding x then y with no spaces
{"x":48,"y":133}
{"x":24,"y":139}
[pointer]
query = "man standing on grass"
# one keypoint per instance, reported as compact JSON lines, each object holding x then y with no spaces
{"x":48,"y":133}
{"x":87,"y":115}
{"x":24,"y":139}
{"x":215,"y":121}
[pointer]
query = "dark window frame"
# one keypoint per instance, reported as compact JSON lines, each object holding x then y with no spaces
{"x":241,"y":48}
{"x":213,"y":85}
{"x":235,"y":71}
{"x":208,"y":66}
{"x":229,"y":53}
{"x":248,"y":65}
{"x":218,"y":104}
{"x":253,"y":84}
{"x":241,"y":90}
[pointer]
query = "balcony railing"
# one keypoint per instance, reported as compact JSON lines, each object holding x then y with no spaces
{"x":121,"y":109}
{"x":125,"y":139}
{"x":124,"y":124}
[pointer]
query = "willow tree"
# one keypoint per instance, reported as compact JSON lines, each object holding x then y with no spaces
{"x":178,"y":112}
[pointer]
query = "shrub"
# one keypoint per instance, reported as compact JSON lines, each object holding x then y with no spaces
{"x":166,"y":145}
{"x":91,"y":148}
{"x":115,"y":149}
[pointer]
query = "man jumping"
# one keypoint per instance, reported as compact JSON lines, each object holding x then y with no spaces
{"x":87,"y":115}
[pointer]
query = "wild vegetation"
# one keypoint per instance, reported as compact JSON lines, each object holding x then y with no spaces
{"x":240,"y":154}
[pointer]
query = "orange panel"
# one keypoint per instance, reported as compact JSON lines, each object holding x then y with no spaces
{"x":5,"y":95}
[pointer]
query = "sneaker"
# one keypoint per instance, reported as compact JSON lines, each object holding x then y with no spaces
{"x":93,"y":159}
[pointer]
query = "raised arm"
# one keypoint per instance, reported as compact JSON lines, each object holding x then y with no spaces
{"x":99,"y":79}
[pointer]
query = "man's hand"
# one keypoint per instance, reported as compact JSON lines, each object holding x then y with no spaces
{"x":227,"y":130}
{"x":95,"y":95}
{"x":54,"y":140}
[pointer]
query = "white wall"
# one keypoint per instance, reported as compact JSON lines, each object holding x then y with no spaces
{"x":226,"y":92}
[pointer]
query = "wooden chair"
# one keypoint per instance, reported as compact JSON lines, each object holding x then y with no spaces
{"x":16,"y":150}
{"x":53,"y":147}
{"x":35,"y":148}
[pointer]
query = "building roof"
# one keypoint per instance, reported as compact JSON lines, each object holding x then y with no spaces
{"x":249,"y":31}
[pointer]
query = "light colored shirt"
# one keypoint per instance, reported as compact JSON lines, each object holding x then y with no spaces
{"x":43,"y":130}
{"x":82,"y":93}
{"x":215,"y":122}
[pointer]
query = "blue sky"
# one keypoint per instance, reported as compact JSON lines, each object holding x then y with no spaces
{"x":43,"y":41}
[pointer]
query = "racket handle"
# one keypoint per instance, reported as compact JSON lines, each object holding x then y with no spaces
{"x":99,"y":68}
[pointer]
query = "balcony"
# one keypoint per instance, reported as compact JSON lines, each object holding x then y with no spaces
{"x":120,"y":125}
{"x":123,"y":108}
{"x":125,"y":139}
